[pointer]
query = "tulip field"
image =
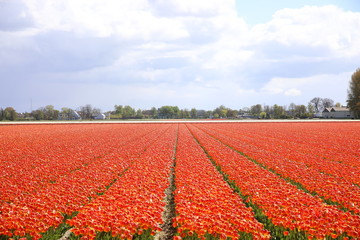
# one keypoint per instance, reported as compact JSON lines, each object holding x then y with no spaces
{"x":180,"y":180}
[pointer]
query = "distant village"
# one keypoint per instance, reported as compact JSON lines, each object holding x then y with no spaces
{"x":316,"y":108}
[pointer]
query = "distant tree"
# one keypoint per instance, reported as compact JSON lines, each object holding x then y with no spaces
{"x":300,"y":111}
{"x":256,"y":109}
{"x":139,"y":114}
{"x":50,"y":113}
{"x":268,"y":110}
{"x":353,"y":101}
{"x":88,"y":112}
{"x":311,"y":109}
{"x":244,"y":110}
{"x":193,"y":113}
{"x":202,"y":114}
{"x":85,"y":111}
{"x":96,"y":111}
{"x":154,"y":112}
{"x":176,"y":111}
{"x":220,"y":111}
{"x":207,"y":114}
{"x":168,"y":112}
{"x":292,"y":109}
{"x":27,"y":116}
{"x":118,"y":108}
{"x":231,"y":113}
{"x":38,"y":114}
{"x":327,"y":103}
{"x":279,"y":111}
{"x":128,"y":112}
{"x":262,"y":115}
{"x":66,"y":113}
{"x":2,"y":114}
{"x":10,"y":114}
{"x":317,"y":103}
{"x":337,"y":104}
{"x":185,"y":113}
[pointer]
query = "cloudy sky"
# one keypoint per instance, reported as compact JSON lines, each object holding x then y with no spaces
{"x":189,"y":53}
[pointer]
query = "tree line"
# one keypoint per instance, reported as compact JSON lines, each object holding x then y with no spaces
{"x":173,"y":112}
{"x":315,"y":105}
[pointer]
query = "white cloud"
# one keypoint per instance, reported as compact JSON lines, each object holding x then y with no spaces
{"x":314,"y":26}
{"x":288,"y":86}
{"x":292,"y":92}
{"x":200,"y":8}
{"x":199,"y":50}
{"x":325,"y":85}
{"x":126,"y":19}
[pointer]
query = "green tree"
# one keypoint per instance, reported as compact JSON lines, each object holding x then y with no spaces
{"x":10,"y":114}
{"x":292,"y":109}
{"x":185,"y":113}
{"x":169,"y":112}
{"x":220,"y":111}
{"x":256,"y":109}
{"x":231,"y":113}
{"x":353,"y":101}
{"x":311,"y":109}
{"x":86,"y":111}
{"x":139,"y":114}
{"x":38,"y":114}
{"x":50,"y":113}
{"x":300,"y":111}
{"x":2,"y":114}
{"x":118,"y":111}
{"x":262,"y":115}
{"x":66,"y":113}
{"x":153,"y":112}
{"x":128,"y":112}
{"x":279,"y":111}
{"x":193,"y":113}
{"x":46,"y":113}
{"x":176,"y":111}
{"x":207,"y":114}
{"x":125,"y":112}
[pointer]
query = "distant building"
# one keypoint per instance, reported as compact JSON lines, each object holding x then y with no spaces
{"x":72,"y":115}
{"x":337,"y":113}
{"x":318,"y":115}
{"x":247,"y":116}
{"x":101,"y":116}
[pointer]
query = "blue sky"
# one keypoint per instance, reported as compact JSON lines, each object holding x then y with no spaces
{"x":200,"y":54}
{"x":261,"y":11}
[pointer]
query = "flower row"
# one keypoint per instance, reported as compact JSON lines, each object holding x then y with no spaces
{"x":34,"y":211}
{"x":135,"y":202}
{"x":299,"y":167}
{"x":205,"y":203}
{"x":284,"y":204}
{"x":329,"y":152}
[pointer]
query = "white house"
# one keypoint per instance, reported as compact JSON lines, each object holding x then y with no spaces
{"x":72,"y":115}
{"x":337,"y":112}
{"x":101,"y":116}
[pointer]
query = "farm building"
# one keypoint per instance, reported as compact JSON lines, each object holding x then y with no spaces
{"x":72,"y":115}
{"x":337,"y":112}
{"x":101,"y":116}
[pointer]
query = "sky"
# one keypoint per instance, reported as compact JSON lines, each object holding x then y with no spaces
{"x":191,"y":54}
